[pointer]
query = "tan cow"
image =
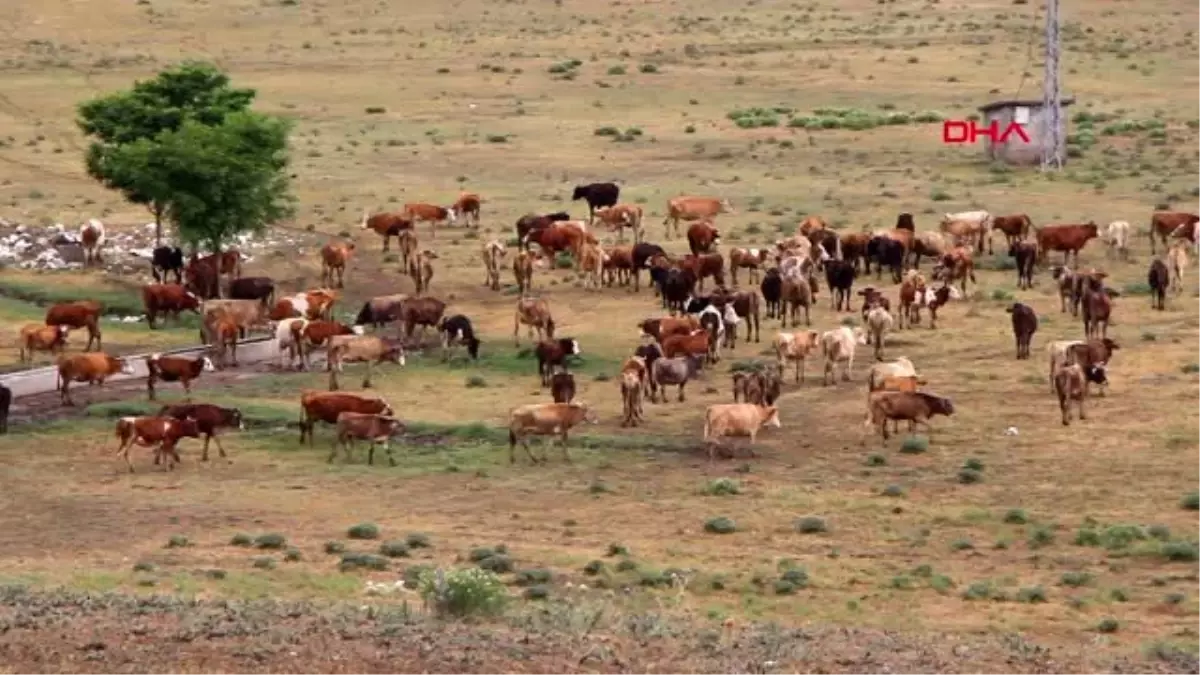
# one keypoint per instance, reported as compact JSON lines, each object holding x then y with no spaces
{"x":969,"y":226}
{"x":1177,"y":261}
{"x":420,"y":268}
{"x":430,"y":213}
{"x":693,"y":208}
{"x":545,"y":419}
{"x":368,"y":427}
{"x":535,"y":313}
{"x":39,"y":337}
{"x":591,"y":265}
{"x":334,"y":257}
{"x":369,"y":349}
{"x":493,"y":254}
{"x":737,"y":419}
{"x":620,"y":217}
{"x":838,"y":346}
{"x":90,"y":367}
{"x":796,"y":348}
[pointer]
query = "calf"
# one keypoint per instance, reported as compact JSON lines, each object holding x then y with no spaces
{"x":368,"y":349}
{"x":210,"y":421}
{"x":5,"y":403}
{"x":1024,"y":325}
{"x":523,"y":264}
{"x":620,"y":217}
{"x":419,"y":212}
{"x":591,"y":265}
{"x":912,"y":297}
{"x":675,"y":286}
{"x":1097,"y":310}
{"x":221,"y":332}
{"x":91,"y":235}
{"x":545,"y":419}
{"x":408,"y":243}
{"x":424,"y":312}
{"x":76,"y":315}
{"x":285,"y":341}
{"x":420,"y":268}
{"x":90,"y":367}
{"x":957,"y":265}
{"x":1065,"y":279}
{"x":970,"y":226}
{"x":751,"y":259}
{"x":387,"y":225}
{"x":838,"y":347}
{"x":167,"y":259}
{"x":677,"y":371}
{"x":1089,"y":355}
{"x":551,"y":353}
{"x":736,"y":419}
{"x":1116,"y":236}
{"x":253,"y":288}
{"x":596,"y":195}
{"x":493,"y":254}
{"x":795,"y":348}
{"x":888,"y":252}
{"x":1177,"y":261}
{"x":935,"y":299}
{"x":351,"y":426}
{"x":879,"y":322}
{"x":1159,"y":278}
{"x":703,"y":266}
{"x":1026,"y":254}
{"x":148,"y":431}
{"x":748,"y":387}
{"x":618,"y":265}
{"x":37,"y":337}
{"x":457,"y":330}
{"x":168,"y":299}
{"x":175,"y":369}
{"x":873,"y":297}
{"x":631,"y":383}
{"x":914,"y":407}
{"x":1070,"y":385}
{"x":1015,"y":227}
{"x":334,"y":257}
{"x":467,"y":208}
{"x":535,"y":313}
{"x":325,"y":406}
{"x":562,"y":387}
{"x":839,"y":274}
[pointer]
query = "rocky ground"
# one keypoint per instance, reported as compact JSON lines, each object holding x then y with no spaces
{"x":75,"y":632}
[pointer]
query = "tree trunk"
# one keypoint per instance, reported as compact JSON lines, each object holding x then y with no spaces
{"x":158,"y":215}
{"x":215,"y":244}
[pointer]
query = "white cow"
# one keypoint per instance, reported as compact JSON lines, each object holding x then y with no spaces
{"x":1116,"y":235}
{"x":837,"y":346}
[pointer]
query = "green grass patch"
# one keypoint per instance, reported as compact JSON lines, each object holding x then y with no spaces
{"x":45,"y":292}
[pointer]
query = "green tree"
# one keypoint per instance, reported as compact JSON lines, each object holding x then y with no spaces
{"x":192,"y":91}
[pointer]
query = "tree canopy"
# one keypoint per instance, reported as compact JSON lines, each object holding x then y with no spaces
{"x":187,"y":146}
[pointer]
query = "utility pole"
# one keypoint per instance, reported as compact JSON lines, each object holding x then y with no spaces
{"x":1053,"y":142}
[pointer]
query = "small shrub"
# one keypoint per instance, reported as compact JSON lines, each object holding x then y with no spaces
{"x":335,"y":547}
{"x":811,"y":525}
{"x":876,"y":460}
{"x":1190,"y":501}
{"x":617,"y":549}
{"x":356,"y":561}
{"x":1031,"y":594}
{"x":723,"y":486}
{"x":462,"y":592}
{"x":783,"y":587}
{"x":1174,"y":598}
{"x":1118,"y":595}
{"x":1190,"y":369}
{"x":795,"y":576}
{"x":178,"y":541}
{"x":901,"y":582}
{"x":720,"y":525}
{"x":264,"y":562}
{"x":533,"y":577}
{"x":293,"y":555}
{"x":1076,"y":579}
{"x":537,"y":592}
{"x":606,"y":131}
{"x":627,"y":566}
{"x":376,"y":110}
{"x":412,"y":575}
{"x":363,"y":531}
{"x":969,"y":476}
{"x":893,"y":491}
{"x":924,"y":571}
{"x":979,"y":590}
{"x":1180,"y":551}
{"x":1016,"y":517}
{"x":394,"y":549}
{"x":143,"y":566}
{"x":973,"y":464}
{"x":418,"y":540}
{"x":962,"y":544}
{"x":1041,"y":536}
{"x":241,"y":539}
{"x":270,"y":541}
{"x":914,"y":445}
{"x":648,"y":68}
{"x":498,"y":563}
{"x":1159,"y":532}
{"x":616,"y":70}
{"x":476,"y":382}
{"x":593,"y":568}
{"x":1108,"y":625}
{"x":216,"y":573}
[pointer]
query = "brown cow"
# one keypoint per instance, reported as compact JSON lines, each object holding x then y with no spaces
{"x":381,"y":310}
{"x":91,"y":235}
{"x":535,"y":313}
{"x":1024,"y":325}
{"x":796,"y":294}
{"x":703,"y":266}
{"x":956,"y":265}
{"x":386,"y":225}
{"x":315,"y":304}
{"x":203,"y":275}
{"x":325,"y":406}
{"x":694,"y":344}
{"x":334,"y":257}
{"x":148,"y":431}
{"x":1070,"y":385}
{"x":562,"y":387}
{"x":661,"y":329}
{"x":37,"y":337}
{"x":591,"y":265}
{"x":912,"y":297}
{"x":76,"y":315}
{"x":408,"y":247}
{"x":369,"y":349}
{"x":425,"y":312}
{"x":751,"y":259}
{"x":467,"y":208}
{"x":911,"y":406}
{"x":702,"y":237}
{"x":210,"y":420}
{"x":854,"y":248}
{"x":175,"y":369}
{"x":1015,"y":227}
{"x":545,"y":419}
{"x":245,"y":314}
{"x":693,"y":208}
{"x":551,"y":353}
{"x":221,"y":332}
{"x":420,"y":268}
{"x":622,"y":216}
{"x":811,"y":224}
{"x":1066,"y":238}
{"x":312,"y":334}
{"x":632,"y":380}
{"x":421,"y":212}
{"x":168,"y":299}
{"x":618,"y":265}
{"x":736,"y":419}
{"x":1163,"y":223}
{"x":90,"y":367}
{"x":523,"y":265}
{"x":353,"y":426}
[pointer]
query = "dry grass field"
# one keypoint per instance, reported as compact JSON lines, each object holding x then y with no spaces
{"x":1052,"y":549}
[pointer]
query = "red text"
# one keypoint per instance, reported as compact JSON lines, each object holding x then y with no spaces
{"x":967,"y":131}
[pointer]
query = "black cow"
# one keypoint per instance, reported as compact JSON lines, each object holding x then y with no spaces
{"x":772,"y":291}
{"x":675,"y":286}
{"x":5,"y":402}
{"x":597,"y":195}
{"x":889,"y":252}
{"x":1159,"y":278}
{"x":253,"y":288}
{"x":457,"y":330}
{"x":642,"y":253}
{"x":840,"y":276}
{"x":167,"y":259}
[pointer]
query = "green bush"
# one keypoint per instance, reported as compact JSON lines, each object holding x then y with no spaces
{"x":969,"y":476}
{"x":1031,"y":594}
{"x":241,"y":539}
{"x":293,"y":555}
{"x":723,"y":486}
{"x":1108,"y":625}
{"x":394,"y":549}
{"x":720,"y":525}
{"x":593,"y":568}
{"x":356,"y":561}
{"x":538,"y":592}
{"x":363,"y":531}
{"x":498,"y":563}
{"x":462,"y":592}
{"x":334,"y":547}
{"x":1076,"y":579}
{"x":480,"y":553}
{"x":533,"y":577}
{"x":914,"y":445}
{"x":1016,"y":517}
{"x":811,"y":525}
{"x":1190,"y":501}
{"x":178,"y":541}
{"x":270,"y":541}
{"x":418,"y":540}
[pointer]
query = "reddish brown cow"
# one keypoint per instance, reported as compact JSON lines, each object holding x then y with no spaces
{"x":313,"y":334}
{"x":386,"y":225}
{"x":168,"y":299}
{"x":76,"y":315}
{"x":661,"y":329}
{"x":702,"y":237}
{"x":467,"y":207}
{"x":618,"y":265}
{"x":36,"y":337}
{"x":334,"y":257}
{"x":1163,"y":223}
{"x":430,"y":213}
{"x":1066,"y":238}
{"x":90,"y":367}
{"x":854,"y":248}
{"x":221,"y":333}
{"x":1015,"y":228}
{"x":705,"y":265}
{"x":149,"y":431}
{"x":751,"y":259}
{"x":202,"y":276}
{"x":210,"y":420}
{"x":693,"y":344}
{"x":325,"y":406}
{"x":175,"y":369}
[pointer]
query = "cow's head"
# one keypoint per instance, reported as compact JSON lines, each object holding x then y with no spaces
{"x":579,"y":193}
{"x":60,"y":332}
{"x":725,"y":207}
{"x":364,"y":220}
{"x":1097,"y":373}
{"x":860,"y":335}
{"x":589,"y":415}
{"x":125,"y":367}
{"x":770,"y":417}
{"x":208,"y":366}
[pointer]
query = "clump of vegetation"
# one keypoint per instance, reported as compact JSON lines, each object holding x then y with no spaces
{"x":476,"y":382}
{"x":1031,"y":594}
{"x":335,"y":547}
{"x":363,"y":531}
{"x":462,"y":592}
{"x":498,"y":563}
{"x":539,"y":592}
{"x":271,"y":540}
{"x":357,"y":561}
{"x":241,"y":539}
{"x":1180,"y":551}
{"x":178,"y":541}
{"x":876,"y":460}
{"x":1190,"y":501}
{"x":723,"y":486}
{"x":143,"y":566}
{"x":1108,"y":625}
{"x":893,"y":491}
{"x":1041,"y":536}
{"x":720,"y":525}
{"x":811,"y":525}
{"x":615,"y":549}
{"x":565,"y":69}
{"x":914,"y":445}
{"x":856,"y":119}
{"x":394,"y":549}
{"x":1076,"y":579}
{"x":962,"y":544}
{"x":418,"y":540}
{"x":1016,"y":517}
{"x":293,"y":555}
{"x":593,"y":568}
{"x":531,"y":577}
{"x":264,"y":562}
{"x":979,"y":590}
{"x":969,"y":476}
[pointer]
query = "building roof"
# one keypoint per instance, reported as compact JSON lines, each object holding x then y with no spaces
{"x":1025,"y":103}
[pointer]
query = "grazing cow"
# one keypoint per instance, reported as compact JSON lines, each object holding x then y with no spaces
{"x":748,"y":387}
{"x":90,"y":367}
{"x":313,"y":334}
{"x":1015,"y":227}
{"x":971,"y":225}
{"x":930,"y":244}
{"x":419,"y":212}
{"x":838,"y":347}
{"x":493,"y":255}
{"x":325,"y":406}
{"x":661,"y":329}
{"x":1066,"y":238}
{"x":839,"y":274}
{"x":620,"y":217}
{"x":91,"y":235}
{"x":898,"y":368}
{"x":1026,"y":254}
{"x":631,"y":382}
{"x":675,"y":285}
{"x":854,"y":248}
{"x":557,"y":237}
{"x":734,"y":307}
{"x":677,"y":371}
{"x":202,"y":276}
{"x":648,"y":352}
{"x":5,"y":404}
{"x":368,"y":349}
{"x":591,"y":265}
{"x":535,"y":313}
{"x":1159,"y":278}
{"x":253,"y":288}
{"x":702,"y":237}
{"x":387,"y":225}
{"x":698,"y":344}
{"x":796,"y":294}
{"x":175,"y":369}
{"x":618,"y":265}
{"x":747,"y":258}
{"x":381,"y":310}
{"x":1024,"y":325}
{"x":1088,"y":354}
{"x":1116,"y":236}
{"x":76,"y":315}
{"x":879,"y":322}
{"x":245,"y":314}
{"x":914,"y":407}
{"x":467,"y":208}
{"x":772,"y":292}
{"x":545,"y":419}
{"x":408,"y":247}
{"x":334,"y":257}
{"x":596,"y":195}
{"x":956,"y":265}
{"x":375,"y":429}
{"x":562,"y":387}
{"x":210,"y":421}
{"x":424,"y":312}
{"x":168,"y":299}
{"x":529,"y":222}
{"x":37,"y":337}
{"x":1164,"y":223}
{"x":886,"y":252}
{"x":457,"y":330}
{"x":165,"y":432}
{"x":1177,"y":261}
{"x":737,"y":419}
{"x":551,"y":353}
{"x":693,"y":208}
{"x":420,"y":268}
{"x":1070,"y":385}
{"x":796,"y":348}
{"x":167,"y":259}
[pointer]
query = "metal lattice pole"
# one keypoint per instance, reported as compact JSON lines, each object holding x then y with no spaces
{"x":1053,"y":142}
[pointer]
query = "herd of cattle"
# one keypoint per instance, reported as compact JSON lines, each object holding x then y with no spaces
{"x":675,"y":347}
